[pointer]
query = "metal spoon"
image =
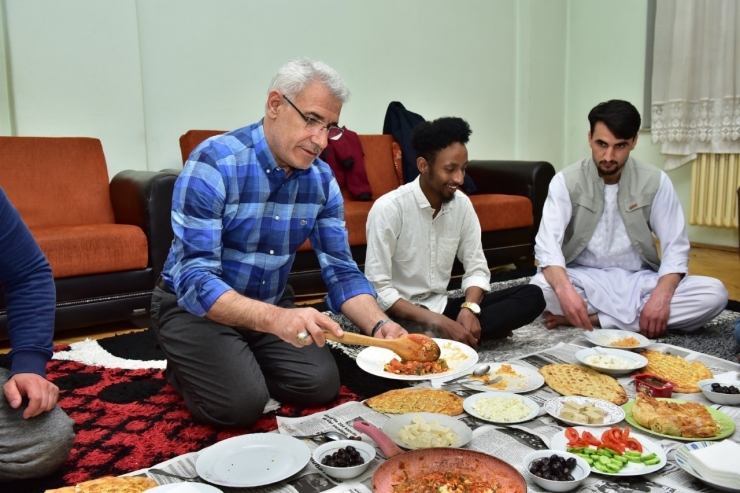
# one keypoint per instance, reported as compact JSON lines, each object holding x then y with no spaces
{"x":478,"y":372}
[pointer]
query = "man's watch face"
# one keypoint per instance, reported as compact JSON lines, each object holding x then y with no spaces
{"x":473,"y":307}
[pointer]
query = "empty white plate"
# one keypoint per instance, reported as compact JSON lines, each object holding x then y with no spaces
{"x":252,"y":460}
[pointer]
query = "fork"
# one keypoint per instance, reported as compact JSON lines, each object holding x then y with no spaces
{"x":162,"y":472}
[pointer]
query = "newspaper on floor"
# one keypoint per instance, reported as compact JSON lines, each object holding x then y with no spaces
{"x":510,"y":443}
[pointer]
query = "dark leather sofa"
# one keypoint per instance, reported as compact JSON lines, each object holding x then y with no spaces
{"x":104,"y":269}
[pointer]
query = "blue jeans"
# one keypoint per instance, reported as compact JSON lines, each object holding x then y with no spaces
{"x":737,"y":331}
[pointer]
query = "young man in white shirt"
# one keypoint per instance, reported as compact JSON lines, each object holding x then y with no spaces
{"x":595,"y":248}
{"x":414,"y":234}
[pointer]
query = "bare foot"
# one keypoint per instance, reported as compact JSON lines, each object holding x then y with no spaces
{"x":552,"y":321}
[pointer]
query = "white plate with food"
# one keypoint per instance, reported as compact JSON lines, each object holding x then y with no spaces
{"x":617,"y":339}
{"x":515,"y":379}
{"x":458,"y":356}
{"x":252,"y":460}
{"x":501,"y":407}
{"x":560,"y":442}
{"x":426,"y":430}
{"x":682,"y":459}
{"x":611,"y":361}
{"x":584,"y":411}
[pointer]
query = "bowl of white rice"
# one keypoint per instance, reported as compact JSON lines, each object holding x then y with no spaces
{"x":501,"y":407}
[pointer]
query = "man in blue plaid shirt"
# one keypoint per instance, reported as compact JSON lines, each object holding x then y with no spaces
{"x":243,"y":204}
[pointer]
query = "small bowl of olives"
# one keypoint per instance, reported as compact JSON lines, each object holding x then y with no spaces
{"x":721,"y":392}
{"x":344,"y":459}
{"x":556,"y":470}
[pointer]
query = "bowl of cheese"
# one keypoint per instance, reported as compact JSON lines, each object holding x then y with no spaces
{"x":611,"y":361}
{"x":426,"y":430}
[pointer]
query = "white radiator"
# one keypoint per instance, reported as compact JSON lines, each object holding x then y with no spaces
{"x":715,"y":179}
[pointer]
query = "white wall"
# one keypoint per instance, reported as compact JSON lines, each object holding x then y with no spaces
{"x":606,"y":60}
{"x":75,"y":71}
{"x":6,"y":121}
{"x":139,"y":73}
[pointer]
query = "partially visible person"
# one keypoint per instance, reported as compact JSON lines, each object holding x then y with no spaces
{"x":244,"y":203}
{"x":36,"y":436}
{"x":414,"y":234}
{"x":598,"y":262}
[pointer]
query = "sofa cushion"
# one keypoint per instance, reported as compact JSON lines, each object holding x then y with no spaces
{"x":92,"y":248}
{"x":383,"y":170}
{"x":498,"y":212}
{"x":56,"y":180}
{"x":192,"y":138}
{"x":355,"y":218}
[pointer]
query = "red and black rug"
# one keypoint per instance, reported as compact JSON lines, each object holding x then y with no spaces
{"x":128,"y":419}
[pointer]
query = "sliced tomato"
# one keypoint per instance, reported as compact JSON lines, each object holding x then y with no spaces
{"x":609,"y":441}
{"x":633,"y":444}
{"x":614,"y":433}
{"x":617,"y":447}
{"x":571,"y":434}
{"x":625,"y":433}
{"x":587,"y":436}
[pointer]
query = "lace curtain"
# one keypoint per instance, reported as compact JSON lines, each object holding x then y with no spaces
{"x":696,"y":79}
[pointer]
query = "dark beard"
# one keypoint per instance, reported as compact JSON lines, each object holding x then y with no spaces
{"x":610,"y":172}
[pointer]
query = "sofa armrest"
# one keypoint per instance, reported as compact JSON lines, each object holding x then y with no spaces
{"x":144,"y":199}
{"x":530,"y":179}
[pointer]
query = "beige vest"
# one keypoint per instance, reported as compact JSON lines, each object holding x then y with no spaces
{"x":638,"y":185}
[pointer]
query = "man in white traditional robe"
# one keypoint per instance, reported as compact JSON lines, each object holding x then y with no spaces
{"x":598,"y":262}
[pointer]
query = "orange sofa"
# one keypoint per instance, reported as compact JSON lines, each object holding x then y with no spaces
{"x":509,"y":206}
{"x":100,"y":238}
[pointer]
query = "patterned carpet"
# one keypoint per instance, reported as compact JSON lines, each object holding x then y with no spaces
{"x":127,"y":416}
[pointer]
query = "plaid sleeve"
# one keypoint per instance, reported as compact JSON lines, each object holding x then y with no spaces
{"x":197,"y":210}
{"x":329,"y":240}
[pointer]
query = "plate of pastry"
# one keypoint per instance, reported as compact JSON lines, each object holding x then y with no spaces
{"x":668,"y":418}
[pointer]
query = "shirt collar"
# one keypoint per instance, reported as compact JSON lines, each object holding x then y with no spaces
{"x":422,"y":200}
{"x":264,"y":153}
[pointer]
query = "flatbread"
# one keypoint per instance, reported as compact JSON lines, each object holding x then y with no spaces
{"x":128,"y":484}
{"x":579,"y":380}
{"x":684,"y":374}
{"x":424,"y":400}
{"x":681,"y":419}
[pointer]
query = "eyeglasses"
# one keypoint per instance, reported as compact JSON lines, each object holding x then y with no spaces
{"x":316,"y":127}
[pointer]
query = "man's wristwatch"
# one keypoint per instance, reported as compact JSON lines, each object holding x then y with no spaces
{"x":473,"y":307}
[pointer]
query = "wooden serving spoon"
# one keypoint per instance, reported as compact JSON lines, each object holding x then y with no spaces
{"x":410,"y":347}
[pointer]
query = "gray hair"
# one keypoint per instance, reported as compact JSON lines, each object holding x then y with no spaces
{"x":296,"y":75}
